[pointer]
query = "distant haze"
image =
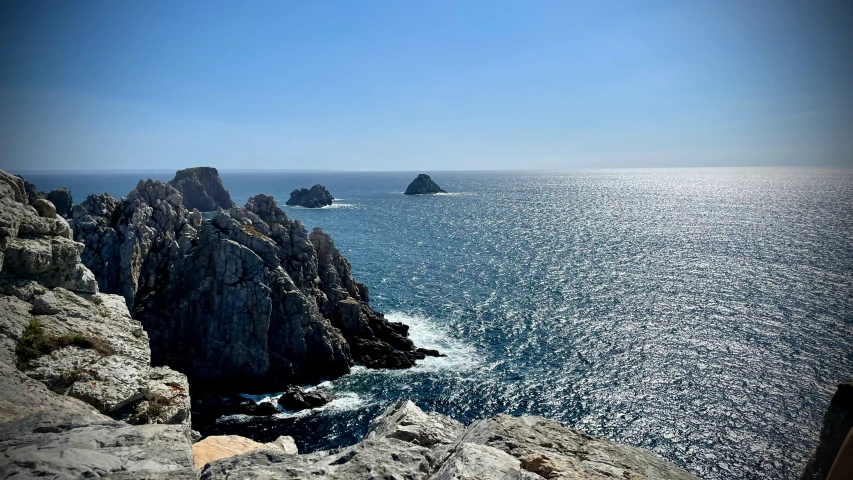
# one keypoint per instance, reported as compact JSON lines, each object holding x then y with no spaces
{"x":424,"y":86}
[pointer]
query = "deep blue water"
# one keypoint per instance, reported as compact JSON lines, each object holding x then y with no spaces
{"x":704,"y":314}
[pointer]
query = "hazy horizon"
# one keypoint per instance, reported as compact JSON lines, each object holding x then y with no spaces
{"x":398,"y":86}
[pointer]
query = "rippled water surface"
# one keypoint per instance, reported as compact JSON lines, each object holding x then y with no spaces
{"x":704,"y":314}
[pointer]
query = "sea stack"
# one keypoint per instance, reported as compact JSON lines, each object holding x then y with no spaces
{"x":423,"y":185}
{"x":202,"y":189}
{"x":315,"y":197}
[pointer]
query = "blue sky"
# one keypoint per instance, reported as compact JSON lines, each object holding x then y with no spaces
{"x":424,"y":85}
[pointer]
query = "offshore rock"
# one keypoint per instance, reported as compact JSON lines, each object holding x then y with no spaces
{"x":202,"y":189}
{"x":295,"y":399}
{"x":837,"y":423}
{"x":504,"y":447}
{"x":423,"y":185}
{"x":62,"y":199}
{"x":315,"y":197}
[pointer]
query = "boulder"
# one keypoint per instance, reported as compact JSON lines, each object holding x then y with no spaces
{"x":62,"y":199}
{"x":295,"y":399}
{"x":404,"y":421}
{"x":837,"y":423}
{"x":315,"y":197}
{"x":423,"y":185}
{"x":202,"y":189}
{"x":45,"y":208}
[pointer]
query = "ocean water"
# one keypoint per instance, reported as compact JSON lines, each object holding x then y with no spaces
{"x":703,"y":314}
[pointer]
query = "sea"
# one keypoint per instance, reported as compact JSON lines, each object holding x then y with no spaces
{"x":703,"y":314}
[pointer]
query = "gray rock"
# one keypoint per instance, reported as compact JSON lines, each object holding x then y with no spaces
{"x":471,"y":461}
{"x":368,"y":459}
{"x":551,"y":450}
{"x":60,"y":445}
{"x":202,"y":189}
{"x":315,"y":197}
{"x":45,"y":208}
{"x":423,"y":185}
{"x":62,"y":199}
{"x":837,"y":423}
{"x":32,"y":193}
{"x":405,"y":421}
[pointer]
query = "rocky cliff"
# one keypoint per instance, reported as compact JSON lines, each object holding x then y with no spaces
{"x":73,"y":361}
{"x":250,"y":296}
{"x":315,"y":197}
{"x":423,"y":185}
{"x":202,"y":189}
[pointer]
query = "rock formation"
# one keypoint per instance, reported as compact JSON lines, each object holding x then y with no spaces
{"x":225,"y":446}
{"x":249,"y":297}
{"x":837,"y":423}
{"x":423,"y":185}
{"x":202,"y":189}
{"x":62,"y":199}
{"x":405,"y":442}
{"x":72,"y":361}
{"x":316,"y":197}
{"x":33,"y":193}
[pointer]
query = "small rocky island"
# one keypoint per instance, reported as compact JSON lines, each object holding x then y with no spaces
{"x":315,"y":197}
{"x":201,"y":189}
{"x":423,"y":185}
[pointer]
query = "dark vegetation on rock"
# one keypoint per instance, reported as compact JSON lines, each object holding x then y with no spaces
{"x":35,"y":342}
{"x":423,"y":185}
{"x":315,"y":197}
{"x":202,"y":189}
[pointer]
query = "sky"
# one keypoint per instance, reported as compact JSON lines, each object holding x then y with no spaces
{"x":424,"y":85}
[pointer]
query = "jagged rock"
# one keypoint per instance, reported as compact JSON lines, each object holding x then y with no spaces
{"x":224,"y":446}
{"x":551,"y":450}
{"x":423,"y":185}
{"x":315,"y":197}
{"x":295,"y":399}
{"x":471,"y":461}
{"x":837,"y":423}
{"x":62,"y":199}
{"x":202,"y":189}
{"x":167,"y":400}
{"x":63,"y":445}
{"x":405,"y":421}
{"x":45,"y":208}
{"x":37,"y":248}
{"x":32,"y":193}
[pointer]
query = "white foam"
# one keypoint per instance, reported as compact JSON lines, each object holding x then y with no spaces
{"x":427,"y":333}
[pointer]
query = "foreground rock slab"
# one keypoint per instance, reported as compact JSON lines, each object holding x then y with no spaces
{"x":405,"y":442}
{"x":224,"y":446}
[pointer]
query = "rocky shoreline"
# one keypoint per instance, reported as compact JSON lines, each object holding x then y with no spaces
{"x":121,"y":323}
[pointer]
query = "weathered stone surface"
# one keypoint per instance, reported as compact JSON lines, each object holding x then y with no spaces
{"x":56,"y":444}
{"x":202,"y":189}
{"x":471,"y":461}
{"x":32,"y":193}
{"x":423,"y":185}
{"x":368,"y":459}
{"x":405,"y":421}
{"x":315,"y":197}
{"x":837,"y":423}
{"x":551,"y":450}
{"x":224,"y":446}
{"x":62,"y":199}
{"x":44,"y":207}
